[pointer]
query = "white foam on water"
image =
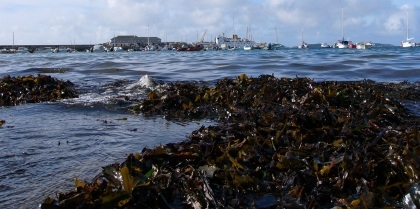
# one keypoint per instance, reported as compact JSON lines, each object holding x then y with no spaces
{"x":144,"y":82}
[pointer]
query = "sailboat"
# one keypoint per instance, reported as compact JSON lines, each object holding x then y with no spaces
{"x":342,"y":44}
{"x":248,"y":37}
{"x":274,"y":46}
{"x":234,"y":36}
{"x":407,"y":42}
{"x":303,"y":45}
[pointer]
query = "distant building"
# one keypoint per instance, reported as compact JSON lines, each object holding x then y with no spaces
{"x":127,"y":41}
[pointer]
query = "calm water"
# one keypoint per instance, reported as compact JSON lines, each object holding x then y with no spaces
{"x":43,"y":146}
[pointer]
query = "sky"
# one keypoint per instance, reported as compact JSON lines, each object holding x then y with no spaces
{"x":27,"y":22}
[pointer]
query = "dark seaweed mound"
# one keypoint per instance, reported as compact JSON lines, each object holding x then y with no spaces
{"x":279,"y":143}
{"x":33,"y":89}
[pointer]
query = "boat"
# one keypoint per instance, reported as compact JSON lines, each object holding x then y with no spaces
{"x":7,"y":51}
{"x":61,"y":50}
{"x":98,"y":48}
{"x":248,"y":47}
{"x":407,"y":43}
{"x":271,"y":46}
{"x":325,"y":45}
{"x":233,"y":43}
{"x":343,"y":44}
{"x":303,"y":45}
{"x":196,"y":47}
{"x":364,"y":45}
{"x":44,"y":50}
{"x":117,"y":49}
{"x":22,"y":50}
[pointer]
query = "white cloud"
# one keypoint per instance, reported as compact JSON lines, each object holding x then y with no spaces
{"x":50,"y":21}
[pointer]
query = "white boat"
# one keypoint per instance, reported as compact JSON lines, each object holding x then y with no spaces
{"x":117,"y":49}
{"x":364,"y":45}
{"x":248,"y":47}
{"x":303,"y":45}
{"x":407,"y":43}
{"x":343,"y":44}
{"x":98,"y":48}
{"x":22,"y":50}
{"x":325,"y":45}
{"x":44,"y":50}
{"x":7,"y":51}
{"x":232,"y":43}
{"x":62,"y":50}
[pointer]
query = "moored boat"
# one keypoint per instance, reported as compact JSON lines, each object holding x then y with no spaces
{"x":197,"y":47}
{"x":303,"y":45}
{"x":407,"y":43}
{"x":232,"y":43}
{"x":364,"y":45}
{"x":98,"y":48}
{"x":248,"y":47}
{"x":343,"y":44}
{"x":325,"y":45}
{"x":117,"y":49}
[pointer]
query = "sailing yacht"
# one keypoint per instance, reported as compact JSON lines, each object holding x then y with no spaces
{"x":303,"y":45}
{"x":343,"y":44}
{"x":407,"y":42}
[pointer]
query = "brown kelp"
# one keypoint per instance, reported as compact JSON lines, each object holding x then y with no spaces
{"x":279,"y":143}
{"x":32,"y":89}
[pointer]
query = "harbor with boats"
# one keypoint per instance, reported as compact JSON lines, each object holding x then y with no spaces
{"x":129,"y":43}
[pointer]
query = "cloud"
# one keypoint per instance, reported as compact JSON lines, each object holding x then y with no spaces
{"x":49,"y":21}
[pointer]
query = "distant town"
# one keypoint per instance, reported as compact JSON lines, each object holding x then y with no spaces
{"x":221,"y":42}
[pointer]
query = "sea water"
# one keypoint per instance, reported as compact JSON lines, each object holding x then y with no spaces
{"x":44,"y":146}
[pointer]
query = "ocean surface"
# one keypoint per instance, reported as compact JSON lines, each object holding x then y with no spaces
{"x":44,"y":146}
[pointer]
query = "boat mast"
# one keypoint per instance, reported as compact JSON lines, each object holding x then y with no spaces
{"x":234,"y":32}
{"x":407,"y":27}
{"x":342,"y":25}
{"x":302,"y":37}
{"x":277,"y":38}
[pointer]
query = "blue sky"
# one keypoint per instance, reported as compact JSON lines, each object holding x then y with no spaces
{"x":96,"y":21}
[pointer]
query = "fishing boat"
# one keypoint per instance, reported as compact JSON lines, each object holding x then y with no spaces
{"x":407,"y":42}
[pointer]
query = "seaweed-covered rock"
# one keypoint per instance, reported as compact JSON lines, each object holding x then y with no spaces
{"x":33,"y":89}
{"x":279,"y":143}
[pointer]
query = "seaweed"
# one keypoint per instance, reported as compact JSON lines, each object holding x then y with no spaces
{"x":33,"y":89}
{"x":279,"y":143}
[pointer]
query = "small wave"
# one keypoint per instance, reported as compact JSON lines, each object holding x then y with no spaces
{"x":48,"y":70}
{"x":143,"y":82}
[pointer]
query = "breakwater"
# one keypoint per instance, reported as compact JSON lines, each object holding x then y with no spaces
{"x":33,"y":48}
